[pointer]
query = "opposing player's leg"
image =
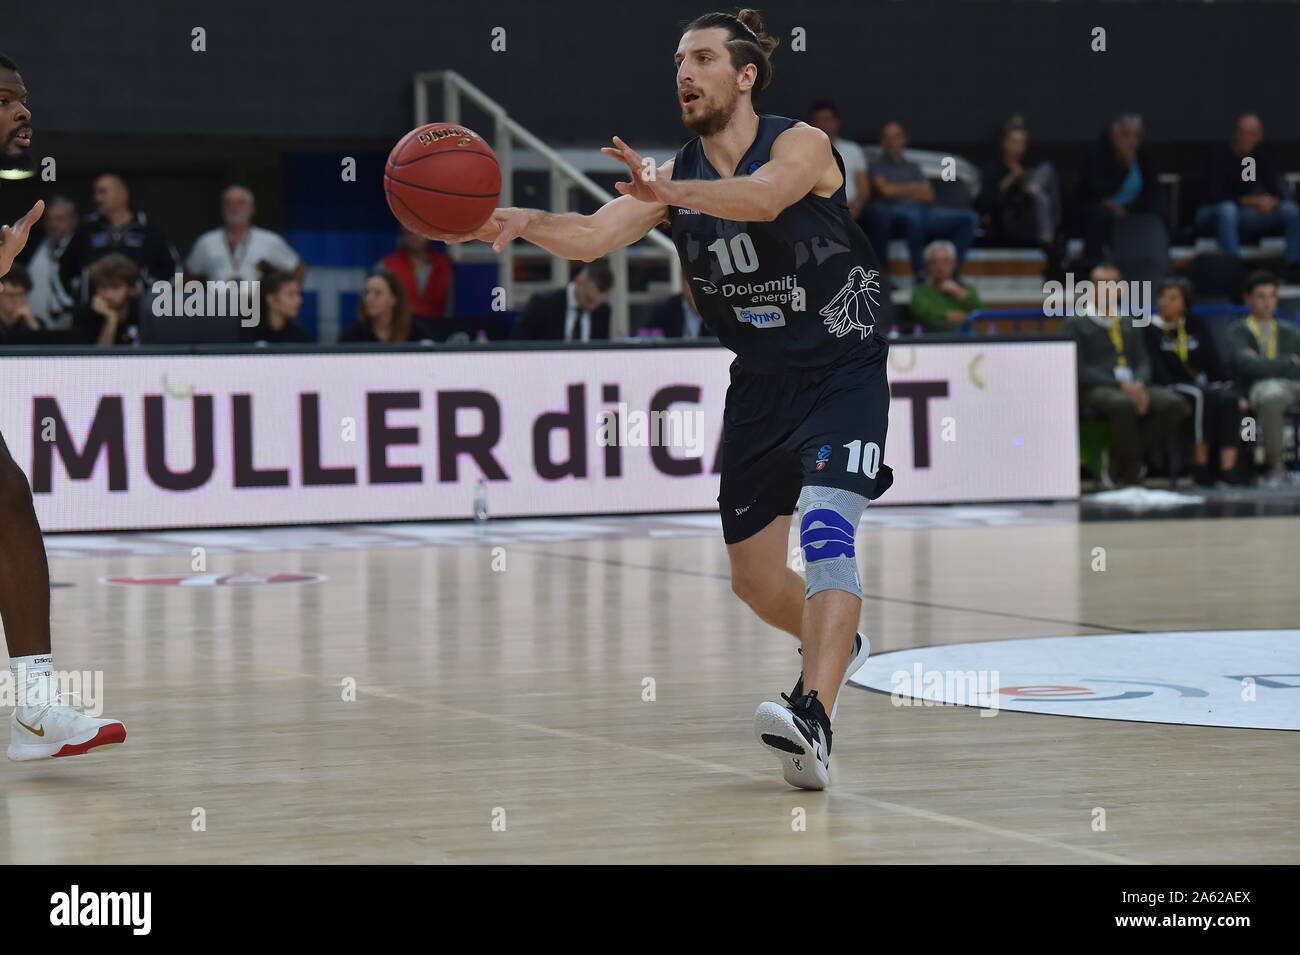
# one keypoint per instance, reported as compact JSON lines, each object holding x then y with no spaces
{"x":24,"y":573}
{"x":41,"y":726}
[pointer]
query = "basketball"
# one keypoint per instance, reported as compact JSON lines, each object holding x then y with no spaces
{"x":442,"y":178}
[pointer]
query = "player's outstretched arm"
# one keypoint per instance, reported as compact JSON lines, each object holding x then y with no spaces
{"x":801,"y":158}
{"x":13,"y":239}
{"x":571,"y":235}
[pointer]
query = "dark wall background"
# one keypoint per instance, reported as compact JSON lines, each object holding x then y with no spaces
{"x":574,"y":70}
{"x":117,"y":86}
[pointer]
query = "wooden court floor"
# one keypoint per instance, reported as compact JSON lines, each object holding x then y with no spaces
{"x":514,"y":696}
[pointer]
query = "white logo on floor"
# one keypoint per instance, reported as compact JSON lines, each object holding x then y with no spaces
{"x":1239,"y":678}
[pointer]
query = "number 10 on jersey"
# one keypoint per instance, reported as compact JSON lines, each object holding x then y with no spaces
{"x":870,"y":461}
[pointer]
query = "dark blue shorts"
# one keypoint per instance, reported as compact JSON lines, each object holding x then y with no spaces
{"x":823,"y":426}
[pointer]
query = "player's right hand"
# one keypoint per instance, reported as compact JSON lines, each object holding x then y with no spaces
{"x":13,"y":239}
{"x":501,"y":227}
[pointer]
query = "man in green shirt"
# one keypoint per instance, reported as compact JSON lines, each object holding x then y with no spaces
{"x":1115,"y":384}
{"x":941,"y":303}
{"x":1265,"y":355}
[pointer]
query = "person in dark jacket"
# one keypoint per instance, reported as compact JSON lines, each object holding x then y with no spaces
{"x":113,"y":228}
{"x":578,"y":312}
{"x":1238,"y":205}
{"x":1021,"y":202}
{"x":1265,"y":355}
{"x":677,"y":317}
{"x":1115,"y":384}
{"x":281,"y":299}
{"x":384,"y":314}
{"x":1119,"y":179}
{"x":1185,"y":359}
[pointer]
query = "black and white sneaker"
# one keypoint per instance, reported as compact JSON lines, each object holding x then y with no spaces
{"x":798,"y":734}
{"x":861,"y":650}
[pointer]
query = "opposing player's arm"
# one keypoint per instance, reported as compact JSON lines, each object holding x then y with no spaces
{"x":572,"y":235}
{"x":801,"y":158}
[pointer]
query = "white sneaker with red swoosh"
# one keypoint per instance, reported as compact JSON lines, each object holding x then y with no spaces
{"x":52,"y":729}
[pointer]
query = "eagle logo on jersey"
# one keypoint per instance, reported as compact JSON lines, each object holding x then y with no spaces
{"x":854,"y":306}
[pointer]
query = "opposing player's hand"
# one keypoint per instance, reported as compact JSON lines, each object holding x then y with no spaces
{"x":646,"y":184}
{"x":501,"y":227}
{"x":13,"y":239}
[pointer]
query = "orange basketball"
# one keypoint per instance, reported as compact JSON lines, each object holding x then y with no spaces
{"x":442,"y":178}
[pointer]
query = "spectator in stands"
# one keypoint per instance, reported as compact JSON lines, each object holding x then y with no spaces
{"x":1265,"y":356}
{"x":677,"y":317}
{"x":1249,"y":199}
{"x":109,"y":319}
{"x":857,"y":190}
{"x":384,"y":314}
{"x":18,"y":324}
{"x":578,"y":312}
{"x":114,"y":228}
{"x":941,"y":303}
{"x":424,"y":271}
{"x":281,"y":299}
{"x":1118,"y":179}
{"x":60,"y":223}
{"x":1022,"y":203}
{"x":237,"y":250}
{"x":1185,"y":360}
{"x":902,"y":203}
{"x":1115,"y":384}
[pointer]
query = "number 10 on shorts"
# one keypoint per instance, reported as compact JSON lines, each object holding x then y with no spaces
{"x":870,"y":461}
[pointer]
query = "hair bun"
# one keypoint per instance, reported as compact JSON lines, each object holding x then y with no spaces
{"x":754,"y":20}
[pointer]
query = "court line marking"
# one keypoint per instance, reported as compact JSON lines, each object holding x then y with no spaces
{"x":927,"y":814}
{"x":877,"y":597}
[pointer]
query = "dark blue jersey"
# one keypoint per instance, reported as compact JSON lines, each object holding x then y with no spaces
{"x":801,"y":291}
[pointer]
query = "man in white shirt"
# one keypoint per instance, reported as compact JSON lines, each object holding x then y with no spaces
{"x":857,"y":189}
{"x":234,"y":251}
{"x":43,"y":300}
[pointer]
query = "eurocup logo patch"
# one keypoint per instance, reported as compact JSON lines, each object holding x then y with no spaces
{"x":823,"y":455}
{"x":824,"y":533}
{"x":854,"y":306}
{"x":753,"y":167}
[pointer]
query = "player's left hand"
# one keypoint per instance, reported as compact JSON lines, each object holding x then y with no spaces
{"x":13,"y":239}
{"x":646,"y":184}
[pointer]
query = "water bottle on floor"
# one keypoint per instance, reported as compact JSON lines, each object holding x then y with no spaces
{"x":480,"y":502}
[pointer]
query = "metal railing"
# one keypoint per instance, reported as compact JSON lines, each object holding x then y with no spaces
{"x":564,"y":176}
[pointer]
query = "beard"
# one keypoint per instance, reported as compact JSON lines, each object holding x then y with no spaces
{"x":15,"y":161}
{"x":712,"y":121}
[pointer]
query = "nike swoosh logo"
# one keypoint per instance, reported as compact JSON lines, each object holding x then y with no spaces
{"x":37,"y":732}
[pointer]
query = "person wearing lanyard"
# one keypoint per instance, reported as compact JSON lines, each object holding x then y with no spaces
{"x":1265,"y":355}
{"x":1185,"y":360}
{"x":1115,"y":385}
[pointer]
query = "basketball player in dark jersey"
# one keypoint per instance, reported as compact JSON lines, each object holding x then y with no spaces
{"x":42,"y":725}
{"x":787,"y":280}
